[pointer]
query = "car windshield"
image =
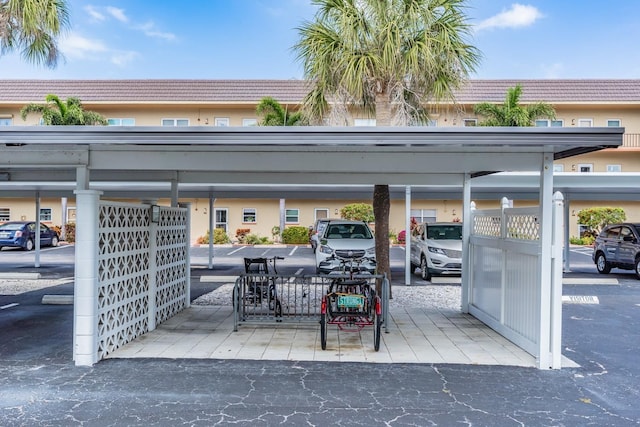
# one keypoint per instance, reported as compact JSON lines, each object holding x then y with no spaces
{"x":637,"y":227}
{"x":11,"y":226}
{"x":444,"y":232}
{"x":348,"y":231}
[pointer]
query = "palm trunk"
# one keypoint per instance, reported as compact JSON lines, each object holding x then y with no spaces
{"x":381,"y":206}
{"x":381,"y":200}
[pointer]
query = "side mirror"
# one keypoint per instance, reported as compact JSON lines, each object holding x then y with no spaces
{"x":629,"y":239}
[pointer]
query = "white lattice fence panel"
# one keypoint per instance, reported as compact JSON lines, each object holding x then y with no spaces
{"x":487,"y":223}
{"x":523,"y":225}
{"x":172,"y":272}
{"x":123,"y":274}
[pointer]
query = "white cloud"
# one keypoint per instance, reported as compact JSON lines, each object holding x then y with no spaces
{"x":117,"y":13}
{"x":149,"y":29}
{"x":518,"y":16}
{"x":123,"y":58}
{"x":77,"y":46}
{"x":93,"y":13}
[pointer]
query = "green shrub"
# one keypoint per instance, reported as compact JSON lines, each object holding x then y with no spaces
{"x":584,"y":240}
{"x":295,"y":235}
{"x":254,"y":239}
{"x":595,"y":219}
{"x":357,"y":212}
{"x":219,"y":237}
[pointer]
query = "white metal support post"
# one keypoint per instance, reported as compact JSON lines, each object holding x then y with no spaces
{"x":187,"y":296}
{"x":283,"y":219}
{"x":85,"y":322}
{"x":566,"y":265}
{"x":212,"y":228}
{"x":546,"y":242}
{"x":153,"y":272}
{"x":37,"y":231}
{"x":466,"y":237}
{"x":556,"y":281}
{"x":407,"y":236}
{"x":174,"y":192}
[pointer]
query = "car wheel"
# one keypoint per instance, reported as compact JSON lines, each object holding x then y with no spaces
{"x":637,"y":268}
{"x":29,"y":245}
{"x":602,"y":265}
{"x":413,"y":268}
{"x":54,"y":241}
{"x":424,"y":270}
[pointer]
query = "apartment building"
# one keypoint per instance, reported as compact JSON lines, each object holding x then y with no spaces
{"x":578,"y":103}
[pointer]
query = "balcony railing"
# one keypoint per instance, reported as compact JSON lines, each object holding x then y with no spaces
{"x":631,"y":140}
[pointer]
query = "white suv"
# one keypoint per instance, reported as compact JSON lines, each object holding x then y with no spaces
{"x":346,"y":240}
{"x":437,"y":249}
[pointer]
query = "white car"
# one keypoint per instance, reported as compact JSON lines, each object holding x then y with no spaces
{"x":344,"y":240}
{"x":436,"y":248}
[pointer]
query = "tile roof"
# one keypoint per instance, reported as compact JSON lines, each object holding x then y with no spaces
{"x":293,"y":91}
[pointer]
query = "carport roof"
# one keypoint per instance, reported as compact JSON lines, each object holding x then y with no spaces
{"x":205,"y":157}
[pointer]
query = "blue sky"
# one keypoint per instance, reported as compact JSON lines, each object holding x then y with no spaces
{"x":252,"y":39}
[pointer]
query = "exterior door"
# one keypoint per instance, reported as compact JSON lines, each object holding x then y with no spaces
{"x":222,"y":216}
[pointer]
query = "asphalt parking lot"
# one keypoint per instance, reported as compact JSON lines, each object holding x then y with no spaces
{"x":40,"y":385}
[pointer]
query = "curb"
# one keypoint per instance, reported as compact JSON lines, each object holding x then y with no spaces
{"x":57,"y":299}
{"x":22,"y":276}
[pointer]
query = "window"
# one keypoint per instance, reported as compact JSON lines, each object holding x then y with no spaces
{"x":614,"y":168}
{"x":585,"y":123}
{"x":5,"y":214}
{"x":292,"y":216}
{"x":321,"y":213}
{"x":543,"y":123}
{"x":364,"y":122}
{"x":221,"y":216}
{"x":6,"y":121}
{"x":585,"y":167}
{"x":559,"y":167}
{"x":45,"y":214}
{"x":249,"y":215}
{"x":175,"y":122}
{"x":470,"y":122}
{"x":615,"y":123}
{"x":122,"y":122}
{"x":222,"y":121}
{"x":249,"y":122}
{"x":424,"y":215}
{"x":71,"y":214}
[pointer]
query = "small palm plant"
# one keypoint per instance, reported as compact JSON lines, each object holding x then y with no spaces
{"x":274,"y":114}
{"x":511,"y":113}
{"x":58,"y":113}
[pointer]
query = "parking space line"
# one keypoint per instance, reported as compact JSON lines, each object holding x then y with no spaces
{"x":293,"y":251}
{"x":236,"y":250}
{"x":13,"y":304}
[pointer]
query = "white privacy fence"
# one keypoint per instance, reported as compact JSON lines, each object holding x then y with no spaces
{"x":142,"y":270}
{"x":506,"y":287}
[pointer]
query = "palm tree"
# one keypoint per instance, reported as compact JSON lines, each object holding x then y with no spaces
{"x":57,"y":112}
{"x":274,"y":114}
{"x":388,"y":57}
{"x":32,"y":26}
{"x":511,"y":113}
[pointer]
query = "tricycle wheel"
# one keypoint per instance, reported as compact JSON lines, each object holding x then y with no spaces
{"x":323,"y":331}
{"x":377,"y":327}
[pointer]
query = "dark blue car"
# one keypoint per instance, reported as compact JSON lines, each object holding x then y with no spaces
{"x":22,"y":234}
